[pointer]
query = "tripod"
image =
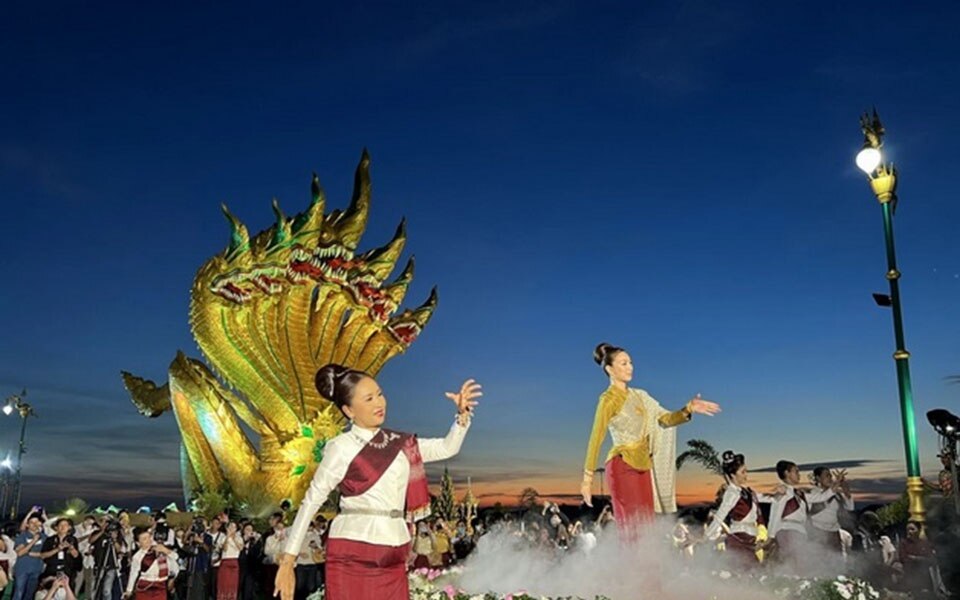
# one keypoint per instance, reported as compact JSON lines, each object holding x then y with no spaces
{"x":103,"y":570}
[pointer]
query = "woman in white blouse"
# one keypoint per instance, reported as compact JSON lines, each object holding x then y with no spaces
{"x":739,"y":515}
{"x":382,"y":486}
{"x":228,"y":575}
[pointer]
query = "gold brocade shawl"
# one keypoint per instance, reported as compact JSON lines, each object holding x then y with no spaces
{"x":643,"y":436}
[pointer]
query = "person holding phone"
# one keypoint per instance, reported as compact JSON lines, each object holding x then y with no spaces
{"x":29,"y":565}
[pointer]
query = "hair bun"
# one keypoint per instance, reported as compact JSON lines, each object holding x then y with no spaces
{"x":328,"y":377}
{"x":601,"y":351}
{"x":728,"y":457}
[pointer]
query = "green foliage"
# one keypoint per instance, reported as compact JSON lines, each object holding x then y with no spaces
{"x":895,"y":512}
{"x":210,"y":503}
{"x":445,"y":505}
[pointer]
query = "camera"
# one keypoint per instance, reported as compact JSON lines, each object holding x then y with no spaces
{"x":161,"y":533}
{"x":197,"y":527}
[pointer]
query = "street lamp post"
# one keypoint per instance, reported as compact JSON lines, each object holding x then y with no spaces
{"x":883,"y":182}
{"x":16,"y":403}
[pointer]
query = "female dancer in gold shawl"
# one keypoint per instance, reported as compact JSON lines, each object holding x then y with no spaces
{"x":641,"y":466}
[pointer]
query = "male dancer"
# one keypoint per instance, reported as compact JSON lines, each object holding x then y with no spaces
{"x":788,"y":516}
{"x":832,"y":492}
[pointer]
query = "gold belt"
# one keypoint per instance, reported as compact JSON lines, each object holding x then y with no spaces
{"x":373,"y":512}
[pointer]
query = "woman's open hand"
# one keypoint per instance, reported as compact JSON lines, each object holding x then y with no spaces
{"x":464,"y":399}
{"x":703,"y":407}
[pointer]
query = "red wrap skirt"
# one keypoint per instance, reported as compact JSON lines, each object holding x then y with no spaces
{"x":361,"y":571}
{"x":228,"y":579}
{"x":742,"y":550}
{"x":151,"y":590}
{"x":631,"y":493}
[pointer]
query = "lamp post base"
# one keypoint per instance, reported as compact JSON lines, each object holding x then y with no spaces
{"x":915,"y":495}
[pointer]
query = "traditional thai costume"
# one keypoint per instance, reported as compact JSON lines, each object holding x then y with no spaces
{"x":381,"y":480}
{"x":640,"y":467}
{"x":825,"y":505}
{"x":788,"y":524}
{"x":739,"y":517}
{"x":228,"y":573}
{"x":149,"y":572}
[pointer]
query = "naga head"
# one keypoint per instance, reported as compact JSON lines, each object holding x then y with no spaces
{"x":271,"y":309}
{"x":267,"y":312}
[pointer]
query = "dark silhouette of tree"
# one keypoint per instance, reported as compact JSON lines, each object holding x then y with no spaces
{"x":700,"y":451}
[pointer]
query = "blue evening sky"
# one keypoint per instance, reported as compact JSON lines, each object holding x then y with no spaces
{"x":673,"y":177}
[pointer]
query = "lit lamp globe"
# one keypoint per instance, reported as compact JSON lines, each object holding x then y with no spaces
{"x":868,"y":159}
{"x":7,"y":409}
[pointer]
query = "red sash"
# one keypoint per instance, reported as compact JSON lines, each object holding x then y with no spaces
{"x":793,"y":504}
{"x":376,"y":456}
{"x":743,"y":506}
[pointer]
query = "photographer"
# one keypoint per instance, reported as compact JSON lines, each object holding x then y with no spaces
{"x":250,"y":559}
{"x":217,"y":538}
{"x":84,"y":532}
{"x":162,"y":533}
{"x":61,"y":556}
{"x":197,"y":547}
{"x":152,"y":568}
{"x":108,"y":549}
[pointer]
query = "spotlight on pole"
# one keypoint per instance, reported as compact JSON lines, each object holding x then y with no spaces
{"x":7,"y":463}
{"x":945,"y":423}
{"x":883,"y":300}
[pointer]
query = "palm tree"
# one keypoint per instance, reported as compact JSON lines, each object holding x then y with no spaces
{"x":700,"y":451}
{"x":529,"y":497}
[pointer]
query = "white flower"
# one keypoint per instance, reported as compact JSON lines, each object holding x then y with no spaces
{"x":842,"y":590}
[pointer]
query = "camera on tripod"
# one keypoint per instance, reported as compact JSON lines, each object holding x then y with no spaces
{"x":112,"y":526}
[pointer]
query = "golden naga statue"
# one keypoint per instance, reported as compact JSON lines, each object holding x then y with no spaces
{"x":267,"y":312}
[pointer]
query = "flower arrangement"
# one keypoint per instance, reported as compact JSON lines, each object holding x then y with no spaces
{"x":436,"y":584}
{"x":839,"y":588}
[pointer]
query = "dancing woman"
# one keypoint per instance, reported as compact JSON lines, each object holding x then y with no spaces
{"x":380,"y":476}
{"x":739,"y":513}
{"x":641,"y":465}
